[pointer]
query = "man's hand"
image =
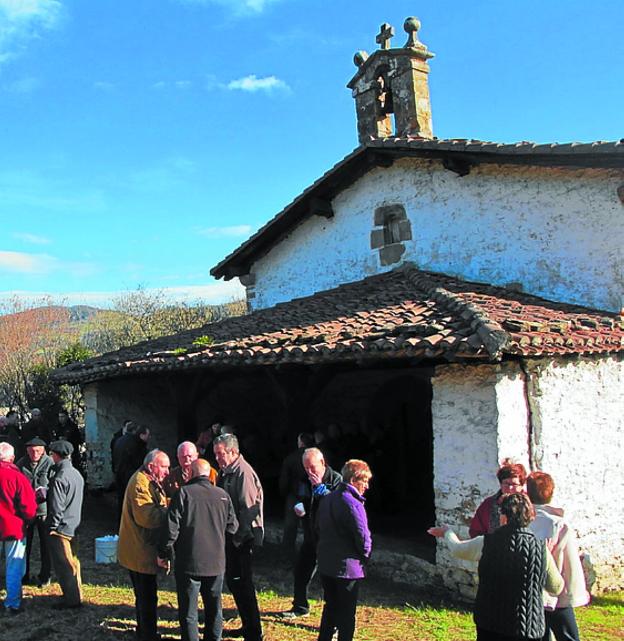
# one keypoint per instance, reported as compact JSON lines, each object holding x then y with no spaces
{"x":315,"y":479}
{"x":165,"y":564}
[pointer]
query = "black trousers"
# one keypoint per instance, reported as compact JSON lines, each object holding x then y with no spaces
{"x":488,"y":635}
{"x":38,"y":525}
{"x":562,"y":622}
{"x":189,"y":588}
{"x":305,"y":568}
{"x":239,"y":577}
{"x":146,"y":602}
{"x":340,"y":597}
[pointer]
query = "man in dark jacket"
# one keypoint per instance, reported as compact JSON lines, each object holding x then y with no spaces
{"x":17,"y":507}
{"x":67,"y":430}
{"x":11,"y":433}
{"x":197,"y":521}
{"x":321,"y":481}
{"x":65,"y":495}
{"x":128,"y":456}
{"x":37,"y":467}
{"x":243,"y":486}
{"x":292,"y":481}
{"x":36,"y":427}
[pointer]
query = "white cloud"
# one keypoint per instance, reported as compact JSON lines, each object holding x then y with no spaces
{"x":23,"y":187}
{"x":213,"y":293}
{"x":23,"y":85}
{"x":42,"y":264}
{"x":102,"y":85}
{"x":182,"y":84}
{"x":238,"y":7}
{"x":253,"y":83}
{"x":170,"y":173}
{"x":225,"y":232}
{"x":22,"y":21}
{"x":34,"y":239}
{"x":23,"y":263}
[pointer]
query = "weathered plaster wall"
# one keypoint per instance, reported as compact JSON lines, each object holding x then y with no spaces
{"x":557,"y":232}
{"x":572,"y":427}
{"x":480,"y":417}
{"x":577,"y":408}
{"x":109,"y":403}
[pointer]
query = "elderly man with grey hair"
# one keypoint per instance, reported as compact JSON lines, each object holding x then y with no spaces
{"x":17,"y":506}
{"x":242,"y":484}
{"x":179,"y":476}
{"x":143,"y":514}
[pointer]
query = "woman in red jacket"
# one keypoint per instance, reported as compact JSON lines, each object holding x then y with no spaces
{"x":512,"y":478}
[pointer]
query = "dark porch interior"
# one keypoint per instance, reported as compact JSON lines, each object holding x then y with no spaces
{"x":379,"y":414}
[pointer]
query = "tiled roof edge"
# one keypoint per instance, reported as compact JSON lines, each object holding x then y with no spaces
{"x":495,"y":338}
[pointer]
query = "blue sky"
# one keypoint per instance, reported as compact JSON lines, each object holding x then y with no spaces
{"x":143,"y":140}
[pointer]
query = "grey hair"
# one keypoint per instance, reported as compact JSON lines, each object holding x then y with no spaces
{"x":313,"y":452}
{"x":151,"y":455}
{"x":185,"y":443}
{"x":7,"y":452}
{"x":228,"y":440}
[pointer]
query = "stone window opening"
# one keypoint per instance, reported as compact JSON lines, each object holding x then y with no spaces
{"x":392,"y":229}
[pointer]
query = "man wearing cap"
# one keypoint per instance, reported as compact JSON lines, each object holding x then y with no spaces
{"x":37,"y":467}
{"x":65,"y":495}
{"x":17,"y":507}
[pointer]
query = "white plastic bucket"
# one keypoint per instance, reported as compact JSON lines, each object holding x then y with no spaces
{"x":106,"y":549}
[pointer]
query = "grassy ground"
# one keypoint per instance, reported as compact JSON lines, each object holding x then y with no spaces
{"x":387,"y":612}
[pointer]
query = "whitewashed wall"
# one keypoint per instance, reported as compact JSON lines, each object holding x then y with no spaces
{"x":480,"y":417}
{"x":578,"y":416}
{"x":576,"y":433}
{"x":556,"y":232}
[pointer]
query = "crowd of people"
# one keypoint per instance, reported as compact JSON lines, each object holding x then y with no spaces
{"x":204,"y":520}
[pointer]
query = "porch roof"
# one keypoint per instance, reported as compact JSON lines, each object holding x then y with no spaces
{"x":405,"y":313}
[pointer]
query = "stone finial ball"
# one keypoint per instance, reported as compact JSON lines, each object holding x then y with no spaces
{"x":411,"y":24}
{"x":359,"y":58}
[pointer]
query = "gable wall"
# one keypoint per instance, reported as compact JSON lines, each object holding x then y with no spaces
{"x":556,"y":232}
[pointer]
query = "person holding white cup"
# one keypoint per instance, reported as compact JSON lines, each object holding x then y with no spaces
{"x":322,"y":480}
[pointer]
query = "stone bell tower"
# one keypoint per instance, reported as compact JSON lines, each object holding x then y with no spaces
{"x":390,"y":87}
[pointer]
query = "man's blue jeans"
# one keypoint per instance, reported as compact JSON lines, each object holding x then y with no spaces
{"x":15,"y":555}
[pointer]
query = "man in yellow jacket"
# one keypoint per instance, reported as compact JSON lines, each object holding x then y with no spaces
{"x":144,"y":511}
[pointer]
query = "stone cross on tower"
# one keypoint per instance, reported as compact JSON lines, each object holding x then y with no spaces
{"x":390,"y":87}
{"x":386,"y":33}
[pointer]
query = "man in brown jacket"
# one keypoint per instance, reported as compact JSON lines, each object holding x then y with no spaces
{"x":144,"y":512}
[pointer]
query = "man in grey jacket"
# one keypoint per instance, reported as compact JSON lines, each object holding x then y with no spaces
{"x":65,"y":495}
{"x":37,"y":467}
{"x":242,"y":484}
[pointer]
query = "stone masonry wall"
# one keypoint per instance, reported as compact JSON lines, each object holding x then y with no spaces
{"x":109,"y":403}
{"x":578,"y":430}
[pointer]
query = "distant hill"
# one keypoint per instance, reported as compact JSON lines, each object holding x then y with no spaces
{"x":79,"y":313}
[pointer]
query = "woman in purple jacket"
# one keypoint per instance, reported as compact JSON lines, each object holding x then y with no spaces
{"x":344,"y":547}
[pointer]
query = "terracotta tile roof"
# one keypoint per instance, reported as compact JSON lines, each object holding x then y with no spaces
{"x":383,"y":151}
{"x":401,"y":314}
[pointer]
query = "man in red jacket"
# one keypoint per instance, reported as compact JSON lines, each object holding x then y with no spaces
{"x":17,"y":506}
